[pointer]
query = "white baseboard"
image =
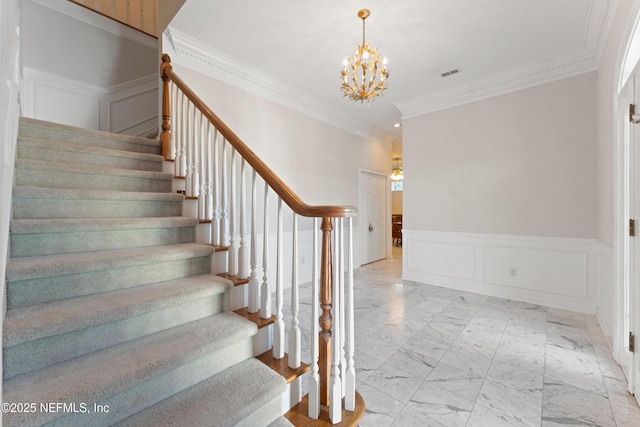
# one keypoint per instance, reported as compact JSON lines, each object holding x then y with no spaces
{"x":606,"y":303}
{"x":556,"y":272}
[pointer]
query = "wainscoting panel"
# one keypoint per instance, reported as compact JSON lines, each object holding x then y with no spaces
{"x":441,"y":258}
{"x":130,"y":108}
{"x":558,"y":272}
{"x":607,"y":301}
{"x":564,"y":272}
{"x":133,"y":107}
{"x":61,"y":100}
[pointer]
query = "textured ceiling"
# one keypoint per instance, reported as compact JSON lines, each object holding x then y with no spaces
{"x":498,"y":45}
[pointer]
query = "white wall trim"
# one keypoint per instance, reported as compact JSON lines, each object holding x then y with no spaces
{"x":605,"y":281}
{"x":552,"y":271}
{"x":104,"y":103}
{"x":522,"y":78}
{"x":10,"y":63}
{"x":95,"y":19}
{"x":199,"y":56}
{"x":532,"y":75}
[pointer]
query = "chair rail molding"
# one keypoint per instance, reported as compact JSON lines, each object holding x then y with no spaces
{"x":552,"y":271}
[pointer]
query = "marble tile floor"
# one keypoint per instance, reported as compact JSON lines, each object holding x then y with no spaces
{"x":430,"y":357}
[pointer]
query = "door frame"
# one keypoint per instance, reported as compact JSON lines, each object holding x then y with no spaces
{"x":630,"y":245}
{"x":387,"y":213}
{"x":620,"y":219}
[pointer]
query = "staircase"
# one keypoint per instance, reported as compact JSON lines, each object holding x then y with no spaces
{"x":114,"y":315}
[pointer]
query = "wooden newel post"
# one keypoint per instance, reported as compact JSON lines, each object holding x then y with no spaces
{"x":165,"y":136}
{"x":324,"y":338}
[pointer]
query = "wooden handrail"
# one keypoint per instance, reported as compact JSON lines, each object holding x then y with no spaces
{"x":273,"y":180}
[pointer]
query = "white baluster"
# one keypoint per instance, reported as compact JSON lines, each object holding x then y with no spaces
{"x":335,"y":397}
{"x":215,"y":224}
{"x":254,"y":286}
{"x":314,"y":380}
{"x":208,"y":213}
{"x":187,"y":152}
{"x":180,"y":161}
{"x":224,"y":226}
{"x":195,"y":155}
{"x":174,"y":118}
{"x":350,"y":375}
{"x":294,"y":333}
{"x":343,"y":362}
{"x":233,"y":247}
{"x":243,"y":256}
{"x":278,"y":332}
{"x":202,"y":172}
{"x":265,"y":291}
{"x":200,"y":163}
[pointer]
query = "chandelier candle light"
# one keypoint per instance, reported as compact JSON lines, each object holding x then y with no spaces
{"x":397,"y":174}
{"x":364,"y":74}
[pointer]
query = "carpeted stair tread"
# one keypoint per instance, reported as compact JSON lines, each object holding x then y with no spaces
{"x":39,"y":202}
{"x":226,"y":399}
{"x":97,"y":376}
{"x":40,"y":237}
{"x":44,"y":173}
{"x":29,"y":192}
{"x":57,"y":132}
{"x":70,"y":168}
{"x":42,"y":320}
{"x":42,"y":149}
{"x":67,"y":264}
{"x":67,"y":225}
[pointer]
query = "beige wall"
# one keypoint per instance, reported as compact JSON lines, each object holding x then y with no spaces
{"x":396,"y":202}
{"x":523,"y":163}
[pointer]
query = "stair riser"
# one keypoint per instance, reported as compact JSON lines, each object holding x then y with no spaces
{"x":87,"y":181}
{"x":38,"y":244}
{"x":89,"y":140}
{"x":48,"y":351}
{"x":23,"y":293}
{"x":135,"y":399}
{"x":39,"y":208}
{"x":35,"y":152}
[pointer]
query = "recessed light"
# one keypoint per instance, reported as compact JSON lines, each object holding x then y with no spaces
{"x":396,"y":125}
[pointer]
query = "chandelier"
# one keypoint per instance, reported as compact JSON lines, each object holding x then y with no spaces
{"x":397,"y":175}
{"x":364,"y":74}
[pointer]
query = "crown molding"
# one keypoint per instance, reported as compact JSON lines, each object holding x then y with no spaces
{"x":102,"y":22}
{"x":201,"y":57}
{"x":596,"y":29}
{"x":497,"y":85}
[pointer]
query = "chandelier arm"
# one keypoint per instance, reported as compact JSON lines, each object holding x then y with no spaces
{"x":368,"y":70}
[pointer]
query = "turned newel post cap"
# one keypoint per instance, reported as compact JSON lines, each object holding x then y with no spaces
{"x":166,"y":62}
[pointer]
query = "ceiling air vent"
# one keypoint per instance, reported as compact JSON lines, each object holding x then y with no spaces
{"x":451,"y":72}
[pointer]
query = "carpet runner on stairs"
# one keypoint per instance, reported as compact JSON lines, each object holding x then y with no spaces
{"x":114,"y":315}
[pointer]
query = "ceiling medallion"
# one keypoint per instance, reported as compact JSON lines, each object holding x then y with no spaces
{"x":364,"y":74}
